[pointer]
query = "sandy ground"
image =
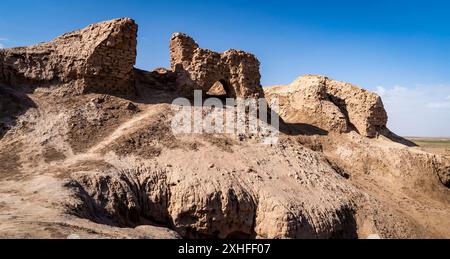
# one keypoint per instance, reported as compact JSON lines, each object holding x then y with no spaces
{"x":439,"y":146}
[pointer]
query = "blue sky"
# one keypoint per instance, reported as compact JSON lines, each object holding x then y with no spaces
{"x":401,"y":49}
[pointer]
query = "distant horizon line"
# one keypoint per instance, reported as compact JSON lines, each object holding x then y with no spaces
{"x":427,"y":137}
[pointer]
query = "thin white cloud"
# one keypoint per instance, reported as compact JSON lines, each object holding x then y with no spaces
{"x":381,"y":91}
{"x":439,"y":105}
{"x":420,"y":111}
{"x":2,"y":45}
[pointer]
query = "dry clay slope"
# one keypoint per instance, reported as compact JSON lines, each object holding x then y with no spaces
{"x":232,"y":190}
{"x":136,"y":173}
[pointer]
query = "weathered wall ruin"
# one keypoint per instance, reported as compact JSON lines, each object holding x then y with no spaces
{"x":306,"y":101}
{"x":330,"y":105}
{"x":99,"y":58}
{"x":201,"y":69}
{"x":365,"y":110}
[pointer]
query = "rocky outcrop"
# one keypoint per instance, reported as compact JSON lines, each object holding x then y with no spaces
{"x":330,"y":105}
{"x":365,"y":110}
{"x":201,"y":69}
{"x":99,"y":58}
{"x":306,"y":101}
{"x":444,"y":173}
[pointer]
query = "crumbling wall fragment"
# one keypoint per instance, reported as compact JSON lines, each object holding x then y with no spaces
{"x":99,"y":58}
{"x":201,"y":69}
{"x":365,"y":110}
{"x":330,"y":105}
{"x":306,"y":101}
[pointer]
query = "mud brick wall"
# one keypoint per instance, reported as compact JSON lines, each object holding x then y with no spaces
{"x":200,"y":69}
{"x":99,"y":58}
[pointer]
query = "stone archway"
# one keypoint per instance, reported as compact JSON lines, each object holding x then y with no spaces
{"x":199,"y":69}
{"x":220,"y":89}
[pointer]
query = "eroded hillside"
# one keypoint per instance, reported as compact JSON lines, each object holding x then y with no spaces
{"x":86,"y":148}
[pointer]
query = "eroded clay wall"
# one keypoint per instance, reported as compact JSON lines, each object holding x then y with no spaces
{"x":99,"y":58}
{"x":200,"y":69}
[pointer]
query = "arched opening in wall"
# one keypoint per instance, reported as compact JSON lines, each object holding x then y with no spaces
{"x":220,"y":90}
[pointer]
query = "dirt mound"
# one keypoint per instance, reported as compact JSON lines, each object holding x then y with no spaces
{"x":92,"y":121}
{"x":221,"y":202}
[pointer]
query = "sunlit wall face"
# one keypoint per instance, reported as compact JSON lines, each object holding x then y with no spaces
{"x":388,"y":45}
